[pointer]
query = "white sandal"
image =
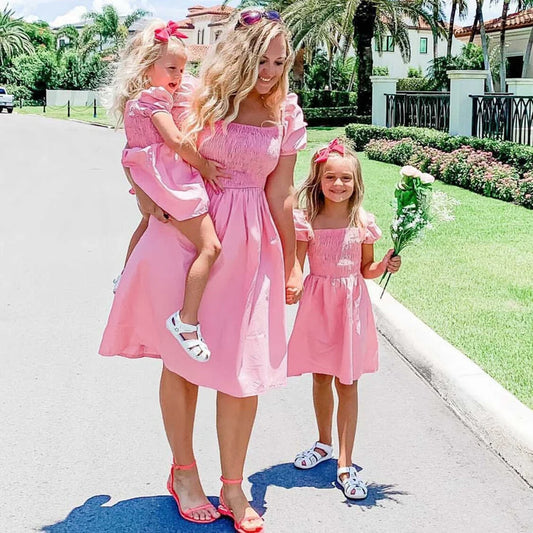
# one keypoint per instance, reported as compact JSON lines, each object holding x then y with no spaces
{"x":353,"y":487}
{"x":310,"y":458}
{"x":196,"y":348}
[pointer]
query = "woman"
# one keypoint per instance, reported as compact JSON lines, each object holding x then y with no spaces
{"x":241,"y":116}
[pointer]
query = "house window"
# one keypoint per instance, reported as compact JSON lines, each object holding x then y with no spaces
{"x":203,"y":31}
{"x":389,"y":46}
{"x":423,"y":45}
{"x":378,"y":44}
{"x":198,"y":38}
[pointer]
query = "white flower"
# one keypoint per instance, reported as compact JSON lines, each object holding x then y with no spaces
{"x":426,"y":178}
{"x":410,"y":171}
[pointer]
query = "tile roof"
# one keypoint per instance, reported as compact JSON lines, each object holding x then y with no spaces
{"x":522,"y":19}
{"x":213,"y":10}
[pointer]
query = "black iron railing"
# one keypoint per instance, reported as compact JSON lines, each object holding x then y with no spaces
{"x":503,"y":117}
{"x":420,"y":109}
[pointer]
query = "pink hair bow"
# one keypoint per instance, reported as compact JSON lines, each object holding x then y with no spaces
{"x":170,"y":30}
{"x":333,"y":146}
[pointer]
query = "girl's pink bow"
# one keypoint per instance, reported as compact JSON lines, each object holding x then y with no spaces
{"x":170,"y":30}
{"x":333,"y":146}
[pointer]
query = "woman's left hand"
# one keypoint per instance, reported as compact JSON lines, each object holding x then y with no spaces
{"x":294,"y":285}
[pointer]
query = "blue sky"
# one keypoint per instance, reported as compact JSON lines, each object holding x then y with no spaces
{"x":58,"y":12}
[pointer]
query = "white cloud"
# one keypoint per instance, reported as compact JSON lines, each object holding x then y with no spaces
{"x":71,"y":17}
{"x":31,"y":18}
{"x":124,"y":7}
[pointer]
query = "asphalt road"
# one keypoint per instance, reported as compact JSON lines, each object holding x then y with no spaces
{"x":82,"y":447}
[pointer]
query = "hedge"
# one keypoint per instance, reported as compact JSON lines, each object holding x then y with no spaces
{"x":333,"y":116}
{"x":465,"y":167}
{"x":516,"y":155}
{"x":326,"y":98}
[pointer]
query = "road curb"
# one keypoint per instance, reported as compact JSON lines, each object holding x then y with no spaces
{"x":492,"y":412}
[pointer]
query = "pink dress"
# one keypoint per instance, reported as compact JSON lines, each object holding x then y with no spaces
{"x":243,"y":308}
{"x":159,"y":171}
{"x":334,"y":332}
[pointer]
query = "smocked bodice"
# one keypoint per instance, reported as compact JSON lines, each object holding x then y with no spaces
{"x":335,"y":252}
{"x":248,"y":153}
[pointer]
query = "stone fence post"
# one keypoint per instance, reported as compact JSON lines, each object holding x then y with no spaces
{"x":520,"y":86}
{"x":463,"y":84}
{"x":381,"y":85}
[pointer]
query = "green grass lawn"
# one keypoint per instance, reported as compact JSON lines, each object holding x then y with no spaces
{"x":471,"y":280}
{"x":76,"y":113}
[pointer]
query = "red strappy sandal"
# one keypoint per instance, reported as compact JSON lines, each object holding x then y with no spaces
{"x":223,"y":509}
{"x":187,"y":513}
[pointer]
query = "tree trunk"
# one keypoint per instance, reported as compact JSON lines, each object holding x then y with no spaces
{"x":484,"y":45}
{"x":527,"y":55}
{"x":363,"y":25}
{"x":505,"y":11}
{"x":436,"y":4}
{"x":450,"y":29}
{"x":474,"y":27}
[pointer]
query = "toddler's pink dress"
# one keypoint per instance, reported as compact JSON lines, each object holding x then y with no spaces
{"x":158,"y":170}
{"x":243,"y":308}
{"x":334,"y":332}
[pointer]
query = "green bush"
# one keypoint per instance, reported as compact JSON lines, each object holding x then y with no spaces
{"x":414,"y":84}
{"x":333,"y":116}
{"x":19,"y":92}
{"x":380,"y":71}
{"x":465,"y":167}
{"x":516,"y":155}
{"x":326,"y":98}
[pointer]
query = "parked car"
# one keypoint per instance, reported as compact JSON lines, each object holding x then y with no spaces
{"x":6,"y":101}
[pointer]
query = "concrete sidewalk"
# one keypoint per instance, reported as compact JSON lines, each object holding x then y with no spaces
{"x":83,"y":447}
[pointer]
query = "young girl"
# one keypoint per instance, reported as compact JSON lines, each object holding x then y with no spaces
{"x":159,"y":161}
{"x":334,"y":336}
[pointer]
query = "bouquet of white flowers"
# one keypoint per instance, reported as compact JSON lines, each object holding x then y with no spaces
{"x":416,"y":205}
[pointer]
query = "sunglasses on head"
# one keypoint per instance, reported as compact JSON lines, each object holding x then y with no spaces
{"x":253,"y":16}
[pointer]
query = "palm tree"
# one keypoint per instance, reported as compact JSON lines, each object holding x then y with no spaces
{"x":459,"y":7}
{"x":505,"y":12}
{"x":13,"y":39}
{"x":107,"y":28}
{"x":529,"y":46}
{"x":366,"y":18}
{"x":484,"y":43}
{"x":437,"y":15}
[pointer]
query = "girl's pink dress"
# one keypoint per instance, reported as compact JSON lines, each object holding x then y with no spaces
{"x":334,"y":332}
{"x":243,"y":307}
{"x":167,"y":179}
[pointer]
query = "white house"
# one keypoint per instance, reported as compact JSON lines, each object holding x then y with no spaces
{"x":386,"y":54}
{"x":517,"y":33}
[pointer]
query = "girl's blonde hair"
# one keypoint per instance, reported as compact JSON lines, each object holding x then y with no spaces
{"x":230,"y":71}
{"x":141,"y":52}
{"x":311,"y":197}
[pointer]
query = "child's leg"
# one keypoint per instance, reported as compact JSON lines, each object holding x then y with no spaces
{"x":201,"y":232}
{"x":323,"y":403}
{"x":346,"y":420}
{"x":135,"y":238}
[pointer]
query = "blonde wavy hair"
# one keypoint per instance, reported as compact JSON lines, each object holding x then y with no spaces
{"x":230,"y":71}
{"x":140,"y":53}
{"x":311,"y":198}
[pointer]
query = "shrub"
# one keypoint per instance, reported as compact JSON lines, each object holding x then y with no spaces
{"x":516,"y":155}
{"x":415,"y":84}
{"x":380,"y":71}
{"x":333,"y":116}
{"x":465,"y":167}
{"x":326,"y":98}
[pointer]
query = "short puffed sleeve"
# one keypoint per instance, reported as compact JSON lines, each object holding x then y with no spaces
{"x":372,"y":232}
{"x":304,"y":231}
{"x":294,"y":126}
{"x":154,"y":100}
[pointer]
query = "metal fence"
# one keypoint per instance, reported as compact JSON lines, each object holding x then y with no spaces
{"x":503,"y":117}
{"x":420,"y":109}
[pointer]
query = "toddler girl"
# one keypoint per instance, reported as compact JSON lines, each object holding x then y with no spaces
{"x":159,"y":160}
{"x":334,"y":335}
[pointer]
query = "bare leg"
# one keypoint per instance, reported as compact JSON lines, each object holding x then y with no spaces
{"x":136,"y":237}
{"x":323,"y":403}
{"x":235,"y":420}
{"x":201,"y":232}
{"x":346,"y":420}
{"x":178,"y":406}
